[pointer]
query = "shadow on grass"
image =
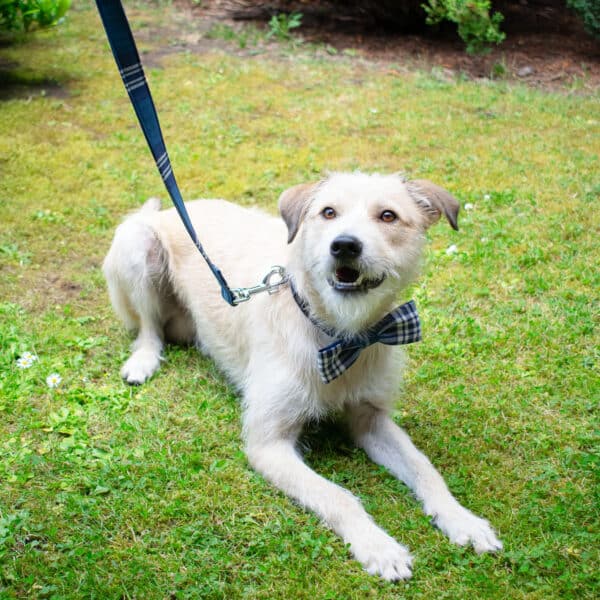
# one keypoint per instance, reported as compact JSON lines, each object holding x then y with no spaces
{"x":326,"y":440}
{"x":19,"y":84}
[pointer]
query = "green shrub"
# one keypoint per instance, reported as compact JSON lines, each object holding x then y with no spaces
{"x":476,"y":26}
{"x":589,"y":11}
{"x":24,"y":15}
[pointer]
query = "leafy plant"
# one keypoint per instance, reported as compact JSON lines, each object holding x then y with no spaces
{"x":12,"y":252}
{"x":589,"y":11}
{"x":281,"y":25}
{"x":476,"y":26}
{"x":10,"y":527}
{"x":24,"y":15}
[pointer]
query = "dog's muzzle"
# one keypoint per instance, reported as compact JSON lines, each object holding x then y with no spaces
{"x":347,"y":275}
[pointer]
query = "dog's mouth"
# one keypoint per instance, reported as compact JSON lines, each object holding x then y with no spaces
{"x":348,"y":279}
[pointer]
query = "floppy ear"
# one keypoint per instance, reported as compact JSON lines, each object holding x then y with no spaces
{"x":293,"y":204}
{"x":434,"y":201}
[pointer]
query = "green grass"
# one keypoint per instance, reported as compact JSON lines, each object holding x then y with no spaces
{"x":116,"y":492}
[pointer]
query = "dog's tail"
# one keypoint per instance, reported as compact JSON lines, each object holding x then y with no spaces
{"x":126,"y":266}
{"x":151,"y":205}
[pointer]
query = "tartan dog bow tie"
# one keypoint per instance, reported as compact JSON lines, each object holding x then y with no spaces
{"x":401,"y":326}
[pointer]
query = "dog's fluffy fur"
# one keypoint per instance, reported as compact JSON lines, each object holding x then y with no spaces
{"x":161,"y":288}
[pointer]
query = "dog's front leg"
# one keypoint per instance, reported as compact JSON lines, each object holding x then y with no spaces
{"x":388,"y":445}
{"x":279,"y":462}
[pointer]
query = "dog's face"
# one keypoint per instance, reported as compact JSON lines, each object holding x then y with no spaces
{"x":360,"y":236}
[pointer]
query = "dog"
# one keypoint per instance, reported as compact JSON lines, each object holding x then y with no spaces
{"x":354,"y":242}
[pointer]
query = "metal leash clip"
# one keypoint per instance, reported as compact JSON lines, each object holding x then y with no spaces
{"x":272,"y":282}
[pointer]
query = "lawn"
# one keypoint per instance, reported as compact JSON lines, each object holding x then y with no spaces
{"x":110,"y":491}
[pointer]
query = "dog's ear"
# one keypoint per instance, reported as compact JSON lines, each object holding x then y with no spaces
{"x":293,"y":204}
{"x":434,"y":201}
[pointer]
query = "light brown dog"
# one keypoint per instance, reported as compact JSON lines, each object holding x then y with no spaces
{"x":354,"y":242}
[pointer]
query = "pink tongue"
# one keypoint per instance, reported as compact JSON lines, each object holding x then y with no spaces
{"x":346,"y":274}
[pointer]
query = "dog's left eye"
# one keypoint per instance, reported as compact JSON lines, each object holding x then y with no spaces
{"x":387,"y":216}
{"x":329,"y":213}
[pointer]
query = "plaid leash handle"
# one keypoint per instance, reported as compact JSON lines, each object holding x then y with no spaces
{"x":130,"y":67}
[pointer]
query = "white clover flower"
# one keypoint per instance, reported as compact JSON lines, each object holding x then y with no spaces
{"x":53,"y":380}
{"x":486,"y":196}
{"x":450,"y":250}
{"x":469,"y":206}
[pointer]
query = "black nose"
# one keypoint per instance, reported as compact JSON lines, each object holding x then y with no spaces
{"x":346,"y":246}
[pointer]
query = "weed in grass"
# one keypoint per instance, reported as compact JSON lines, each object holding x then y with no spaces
{"x":282,"y":24}
{"x":499,"y":70}
{"x":248,"y":35}
{"x":13,"y":253}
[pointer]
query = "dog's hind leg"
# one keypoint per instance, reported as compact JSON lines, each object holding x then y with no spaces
{"x":388,"y":445}
{"x":134,"y":269}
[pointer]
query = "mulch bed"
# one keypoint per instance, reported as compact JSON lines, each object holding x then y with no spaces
{"x":546,"y":48}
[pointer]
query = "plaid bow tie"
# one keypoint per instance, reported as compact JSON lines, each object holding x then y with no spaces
{"x":401,"y":326}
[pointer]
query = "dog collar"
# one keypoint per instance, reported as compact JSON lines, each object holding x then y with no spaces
{"x":401,"y":326}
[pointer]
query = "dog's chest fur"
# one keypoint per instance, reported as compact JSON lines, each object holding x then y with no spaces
{"x":374,"y":378}
{"x":281,"y":372}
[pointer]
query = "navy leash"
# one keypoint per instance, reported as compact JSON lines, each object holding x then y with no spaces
{"x":130,"y":68}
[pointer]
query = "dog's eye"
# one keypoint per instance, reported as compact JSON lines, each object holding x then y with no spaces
{"x":329,"y":213}
{"x":388,"y":216}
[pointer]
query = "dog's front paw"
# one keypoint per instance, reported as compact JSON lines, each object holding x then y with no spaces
{"x":463,"y":528}
{"x":140,"y":366}
{"x":382,"y":555}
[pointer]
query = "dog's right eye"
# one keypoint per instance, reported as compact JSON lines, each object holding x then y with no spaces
{"x":329,"y":213}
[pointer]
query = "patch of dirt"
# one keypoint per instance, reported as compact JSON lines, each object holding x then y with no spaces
{"x":58,"y":291}
{"x":539,"y":60}
{"x":546,"y":48}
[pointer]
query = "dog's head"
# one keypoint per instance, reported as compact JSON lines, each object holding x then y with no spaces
{"x":359,"y":237}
